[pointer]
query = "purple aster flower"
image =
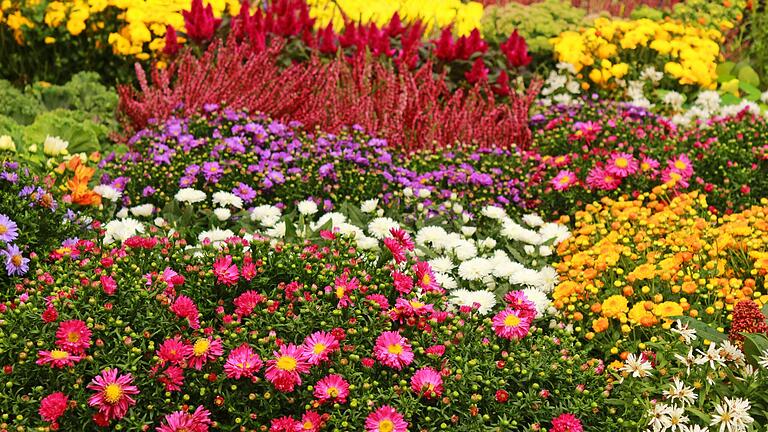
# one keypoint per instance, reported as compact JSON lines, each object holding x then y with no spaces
{"x":192,"y":170}
{"x":9,"y":231}
{"x":245,"y":192}
{"x":210,"y":107}
{"x":26,"y":191}
{"x":15,"y":263}
{"x":186,"y":181}
{"x":10,"y":176}
{"x":148,"y":191}
{"x":212,"y":171}
{"x":277,"y":128}
{"x":326,"y":169}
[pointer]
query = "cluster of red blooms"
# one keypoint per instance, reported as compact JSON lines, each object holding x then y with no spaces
{"x":747,"y":318}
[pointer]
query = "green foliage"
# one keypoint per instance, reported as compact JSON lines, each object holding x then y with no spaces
{"x":757,"y":41}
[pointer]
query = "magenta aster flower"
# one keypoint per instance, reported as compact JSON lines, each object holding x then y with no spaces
{"x":318,"y":346}
{"x":393,"y":350}
{"x":397,"y":250}
{"x":246,"y":302}
{"x":566,"y":423}
{"x":174,"y":351}
{"x":342,"y":287}
{"x":563,"y":180}
{"x":310,"y":422}
{"x":403,"y":283}
{"x":427,"y":382}
{"x":53,"y":406}
{"x":73,"y":336}
{"x":385,"y":419}
{"x":113,"y":394}
{"x":676,"y":178}
{"x":181,"y":421}
{"x":402,"y":238}
{"x":9,"y":231}
{"x":622,"y":165}
{"x":226,"y":273}
{"x":332,"y":388}
{"x":599,"y":178}
{"x":511,"y":324}
{"x":425,"y":278}
{"x":185,"y":307}
{"x":242,"y":362}
{"x":681,"y":164}
{"x":517,"y":300}
{"x":15,"y":263}
{"x":203,"y":351}
{"x":284,"y":370}
{"x":284,"y":424}
{"x":57,"y":358}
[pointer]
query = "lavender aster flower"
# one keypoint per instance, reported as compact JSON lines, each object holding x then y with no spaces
{"x":15,"y":263}
{"x":9,"y":231}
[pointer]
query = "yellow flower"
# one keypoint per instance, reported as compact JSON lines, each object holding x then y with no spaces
{"x":614,"y":305}
{"x":668,"y":309}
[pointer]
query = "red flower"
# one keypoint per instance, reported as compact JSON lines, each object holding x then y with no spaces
{"x":478,"y":73}
{"x":171,"y":42}
{"x":502,"y":396}
{"x":184,"y":307}
{"x":200,"y":22}
{"x":53,"y":406}
{"x":226,"y":272}
{"x":516,"y":50}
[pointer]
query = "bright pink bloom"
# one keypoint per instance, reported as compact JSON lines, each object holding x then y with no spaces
{"x":57,"y":358}
{"x":681,"y":164}
{"x":242,"y":362}
{"x":478,"y":73}
{"x":185,"y":307}
{"x":435,"y":350}
{"x":204,"y":350}
{"x":53,"y":406}
{"x":379,"y":299}
{"x":511,"y":324}
{"x":174,"y":351}
{"x":318,"y":346}
{"x":226,"y":272}
{"x":310,"y":422}
{"x":403,"y":283}
{"x":402,"y":238}
{"x":599,"y":178}
{"x":587,"y":130}
{"x":397,"y":250}
{"x":113,"y":394}
{"x":393,"y":350}
{"x":108,"y":284}
{"x":566,"y":423}
{"x":73,"y":336}
{"x":284,"y":424}
{"x":427,"y":382}
{"x":678,"y":180}
{"x":517,"y":300}
{"x":342,"y":287}
{"x":248,"y":270}
{"x":200,"y":22}
{"x":622,"y":165}
{"x":563,"y":180}
{"x":181,"y":421}
{"x":246,"y":302}
{"x":385,"y":419}
{"x":425,"y":278}
{"x":332,"y":388}
{"x":172,"y":377}
{"x":284,"y":370}
{"x":516,"y":50}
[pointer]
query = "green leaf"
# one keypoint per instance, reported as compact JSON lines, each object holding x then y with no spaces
{"x":724,"y":69}
{"x":752,"y":92}
{"x":765,"y":311}
{"x":699,"y":414}
{"x":730,"y":99}
{"x":748,"y":75}
{"x":754,"y":346}
{"x":703,"y":330}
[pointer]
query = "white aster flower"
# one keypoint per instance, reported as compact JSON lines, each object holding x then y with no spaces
{"x":277,"y":231}
{"x":468,"y":231}
{"x":307,"y":207}
{"x":533,"y":220}
{"x":121,"y":230}
{"x":539,"y":299}
{"x":679,"y":392}
{"x":369,"y":206}
{"x":380,"y":227}
{"x":659,"y":415}
{"x":547,"y":280}
{"x":446,"y":281}
{"x":712,"y":356}
{"x":475,"y":269}
{"x":216,"y":235}
{"x":514,"y":231}
{"x":677,"y":420}
{"x":108,"y":192}
{"x":367,"y":243}
{"x":122,"y":214}
{"x":433,"y":236}
{"x":465,"y":250}
{"x":336,"y":218}
{"x":494,"y":212}
{"x":266,"y":213}
{"x":54,"y":146}
{"x":555,"y":231}
{"x":637,"y":366}
{"x":763,"y":360}
{"x":142,"y":210}
{"x":441,"y":264}
{"x":222,"y":214}
{"x":686,"y":333}
{"x":674,"y":100}
{"x":487,"y":243}
{"x":485,"y":299}
{"x":190,"y":195}
{"x":732,"y":415}
{"x":224,"y":199}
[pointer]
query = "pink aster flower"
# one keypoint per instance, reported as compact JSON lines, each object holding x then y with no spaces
{"x":73,"y":336}
{"x":402,"y":238}
{"x":172,"y":377}
{"x":385,"y":419}
{"x":397,"y":250}
{"x":681,"y":164}
{"x":318,"y":346}
{"x":108,"y":284}
{"x":57,"y":358}
{"x":284,"y":370}
{"x":379,"y":299}
{"x":511,"y":324}
{"x":599,"y":178}
{"x":342,"y":287}
{"x":204,"y":350}
{"x":566,"y":423}
{"x":53,"y":406}
{"x":435,"y":350}
{"x":310,"y":422}
{"x":393,"y":350}
{"x":517,"y":300}
{"x":427,"y":382}
{"x":113,"y":394}
{"x":185,"y":307}
{"x":675,"y":178}
{"x":226,"y":272}
{"x":242,"y":362}
{"x":403,"y":283}
{"x":284,"y":424}
{"x":182,"y":421}
{"x":649,"y":164}
{"x":425,"y":278}
{"x":174,"y":351}
{"x":622,"y":165}
{"x":246,"y":302}
{"x":332,"y":388}
{"x":563,"y":180}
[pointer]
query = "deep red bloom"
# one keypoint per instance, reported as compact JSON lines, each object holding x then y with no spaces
{"x":200,"y":22}
{"x":502,"y":396}
{"x":171,"y":41}
{"x":53,"y":406}
{"x":516,"y":50}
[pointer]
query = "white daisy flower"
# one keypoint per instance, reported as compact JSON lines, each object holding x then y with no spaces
{"x":224,"y":199}
{"x":190,"y":195}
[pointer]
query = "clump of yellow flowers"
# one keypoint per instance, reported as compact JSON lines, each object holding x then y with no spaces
{"x":633,"y":264}
{"x":603,"y":52}
{"x":435,"y":14}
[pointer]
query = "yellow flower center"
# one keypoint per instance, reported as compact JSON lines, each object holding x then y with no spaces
{"x":386,"y":426}
{"x":318,"y":348}
{"x":339,"y":292}
{"x":59,"y":354}
{"x":416,"y":304}
{"x":16,"y":260}
{"x":511,"y":320}
{"x":621,"y":162}
{"x":332,"y":392}
{"x":73,"y":337}
{"x":395,"y":349}
{"x":113,"y":393}
{"x":426,"y":280}
{"x":680,"y":165}
{"x":3,"y":229}
{"x":286,"y":363}
{"x":201,"y":347}
{"x":308,"y":425}
{"x":565,"y":180}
